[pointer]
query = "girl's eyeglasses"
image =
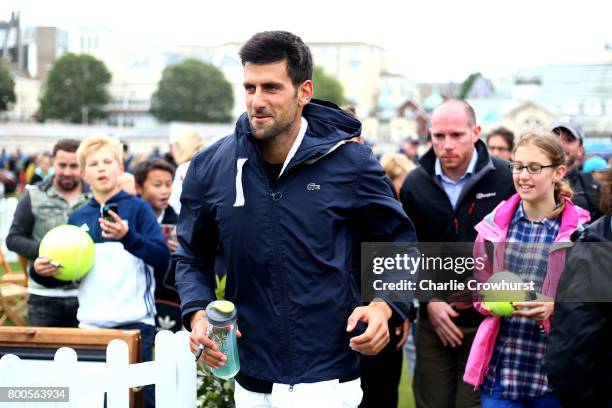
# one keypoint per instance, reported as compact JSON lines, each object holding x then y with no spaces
{"x":532,"y":168}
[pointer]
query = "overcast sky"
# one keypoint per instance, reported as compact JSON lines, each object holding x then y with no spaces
{"x":426,"y":40}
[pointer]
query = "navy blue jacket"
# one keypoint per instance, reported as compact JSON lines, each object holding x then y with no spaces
{"x":288,"y":246}
{"x":144,"y":238}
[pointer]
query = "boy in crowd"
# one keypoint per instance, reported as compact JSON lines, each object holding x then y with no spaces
{"x":154,"y":184}
{"x":118,"y":291}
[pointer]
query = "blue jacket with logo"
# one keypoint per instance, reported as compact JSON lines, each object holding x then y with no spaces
{"x":119,"y":288}
{"x":288,"y":246}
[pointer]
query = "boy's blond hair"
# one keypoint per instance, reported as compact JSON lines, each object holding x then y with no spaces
{"x":95,"y":143}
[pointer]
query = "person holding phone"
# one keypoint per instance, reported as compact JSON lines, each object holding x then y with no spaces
{"x":119,"y":290}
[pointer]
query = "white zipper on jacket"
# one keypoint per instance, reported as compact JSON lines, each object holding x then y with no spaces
{"x":239,"y":191}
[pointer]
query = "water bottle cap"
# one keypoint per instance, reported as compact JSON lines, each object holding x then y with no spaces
{"x":221,"y":312}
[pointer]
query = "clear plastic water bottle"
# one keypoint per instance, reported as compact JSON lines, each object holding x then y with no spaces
{"x":221,"y":316}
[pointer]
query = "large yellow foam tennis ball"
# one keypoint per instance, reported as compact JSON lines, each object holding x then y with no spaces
{"x":502,"y":289}
{"x":72,"y":248}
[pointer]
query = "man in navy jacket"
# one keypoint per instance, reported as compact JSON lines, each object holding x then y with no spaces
{"x":283,"y":199}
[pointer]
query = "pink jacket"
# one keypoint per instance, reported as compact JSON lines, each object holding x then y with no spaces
{"x":494,"y":228}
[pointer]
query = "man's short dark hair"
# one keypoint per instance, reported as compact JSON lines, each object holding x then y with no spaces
{"x":505,"y":134}
{"x":275,"y":46}
{"x":66,"y":145}
{"x":141,"y":172}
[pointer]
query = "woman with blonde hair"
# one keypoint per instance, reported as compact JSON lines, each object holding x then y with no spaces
{"x":529,"y":234}
{"x":397,"y":166}
{"x":184,"y":144}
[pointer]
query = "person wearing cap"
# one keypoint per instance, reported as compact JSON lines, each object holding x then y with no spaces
{"x":584,"y":185}
{"x":596,"y":166}
{"x":410,"y":147}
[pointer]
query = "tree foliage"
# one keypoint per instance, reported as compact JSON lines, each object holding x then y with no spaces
{"x":193,"y":91}
{"x":76,"y":89}
{"x":327,"y":87}
{"x":467,"y":85}
{"x":7,"y":88}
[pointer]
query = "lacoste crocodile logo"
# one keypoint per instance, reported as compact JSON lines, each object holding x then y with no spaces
{"x":313,"y":186}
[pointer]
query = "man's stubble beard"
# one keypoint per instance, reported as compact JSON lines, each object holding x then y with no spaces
{"x":68,"y":188}
{"x":268,"y":135}
{"x":571,"y":161}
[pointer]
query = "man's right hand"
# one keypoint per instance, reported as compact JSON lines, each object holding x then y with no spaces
{"x":211,"y":355}
{"x":440,"y":315}
{"x":172,"y":245}
{"x":43,"y":267}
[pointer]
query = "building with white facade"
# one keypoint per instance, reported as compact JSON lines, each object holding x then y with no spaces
{"x":580,"y":90}
{"x":358,"y":66}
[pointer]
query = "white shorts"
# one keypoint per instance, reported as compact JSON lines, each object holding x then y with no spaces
{"x":324,"y":394}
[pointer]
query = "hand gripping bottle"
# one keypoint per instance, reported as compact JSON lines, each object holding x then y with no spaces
{"x":221,"y":316}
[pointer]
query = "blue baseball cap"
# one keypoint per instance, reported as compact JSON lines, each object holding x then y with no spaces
{"x":595,"y":163}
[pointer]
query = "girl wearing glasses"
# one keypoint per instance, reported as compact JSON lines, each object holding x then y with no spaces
{"x":529,"y":233}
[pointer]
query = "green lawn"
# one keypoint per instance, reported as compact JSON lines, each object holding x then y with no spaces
{"x":406,"y":400}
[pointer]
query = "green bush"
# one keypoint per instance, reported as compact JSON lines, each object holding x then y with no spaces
{"x":214,"y":392}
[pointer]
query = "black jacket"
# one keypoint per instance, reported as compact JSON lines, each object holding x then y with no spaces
{"x":170,"y":216}
{"x":164,"y":291}
{"x":429,"y":208}
{"x":586,"y":192}
{"x":434,"y":218}
{"x":578,"y":358}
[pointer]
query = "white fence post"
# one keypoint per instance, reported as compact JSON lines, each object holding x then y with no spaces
{"x":165,"y":386}
{"x":117,"y":358}
{"x":67,"y":374}
{"x":186,"y":371}
{"x":11,"y":375}
{"x":173,"y":372}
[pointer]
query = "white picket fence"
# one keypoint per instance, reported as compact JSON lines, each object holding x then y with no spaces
{"x":173,"y":372}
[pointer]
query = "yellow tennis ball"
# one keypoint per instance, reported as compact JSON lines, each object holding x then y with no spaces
{"x":500,"y":308}
{"x":499,"y":301}
{"x":72,"y":248}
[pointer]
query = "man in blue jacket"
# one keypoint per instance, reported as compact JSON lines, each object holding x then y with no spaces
{"x":284,"y":199}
